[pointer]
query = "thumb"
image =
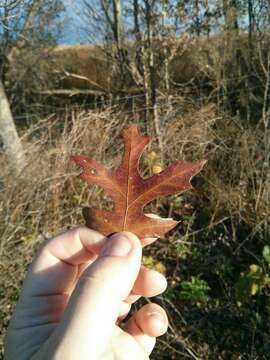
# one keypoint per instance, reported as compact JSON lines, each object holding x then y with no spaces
{"x":94,"y":306}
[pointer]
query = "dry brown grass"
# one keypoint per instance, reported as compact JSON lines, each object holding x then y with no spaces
{"x":48,"y":197}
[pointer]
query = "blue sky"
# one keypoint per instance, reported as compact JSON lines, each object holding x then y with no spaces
{"x":72,"y":33}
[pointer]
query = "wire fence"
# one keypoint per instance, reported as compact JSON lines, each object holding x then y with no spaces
{"x":91,"y":105}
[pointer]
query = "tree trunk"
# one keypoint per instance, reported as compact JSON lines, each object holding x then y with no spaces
{"x":250,"y":30}
{"x":197,"y":18}
{"x":118,"y":23}
{"x":207,"y":18}
{"x":119,"y":38}
{"x":152,"y":89}
{"x":233,"y":54}
{"x":138,"y":37}
{"x":12,"y":144}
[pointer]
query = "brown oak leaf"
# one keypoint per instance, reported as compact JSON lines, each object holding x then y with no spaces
{"x":130,"y":192}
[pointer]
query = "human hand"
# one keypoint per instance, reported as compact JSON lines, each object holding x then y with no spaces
{"x":76,"y":292}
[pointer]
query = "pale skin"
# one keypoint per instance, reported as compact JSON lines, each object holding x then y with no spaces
{"x":76,"y":292}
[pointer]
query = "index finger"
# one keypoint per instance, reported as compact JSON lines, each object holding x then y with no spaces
{"x":58,"y":261}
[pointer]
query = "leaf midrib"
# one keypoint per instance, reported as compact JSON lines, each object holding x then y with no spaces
{"x":128,"y":186}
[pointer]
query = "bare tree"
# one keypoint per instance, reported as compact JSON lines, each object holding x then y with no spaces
{"x":23,"y":36}
{"x":12,"y":145}
{"x":27,"y":33}
{"x":18,"y":22}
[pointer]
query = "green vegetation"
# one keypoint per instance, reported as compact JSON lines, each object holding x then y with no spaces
{"x":211,"y":100}
{"x":195,"y":291}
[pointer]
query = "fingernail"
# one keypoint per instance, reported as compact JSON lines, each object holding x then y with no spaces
{"x":117,"y":245}
{"x":161,"y":323}
{"x":157,"y":316}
